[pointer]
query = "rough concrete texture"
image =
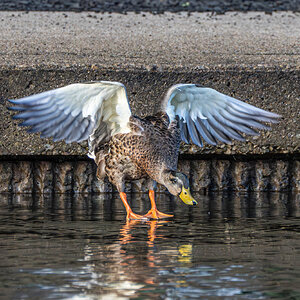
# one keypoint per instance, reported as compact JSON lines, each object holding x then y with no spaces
{"x":205,"y":175}
{"x":170,"y":41}
{"x":252,"y":56}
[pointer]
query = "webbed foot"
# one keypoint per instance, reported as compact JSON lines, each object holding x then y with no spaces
{"x":132,"y":216}
{"x":153,"y":213}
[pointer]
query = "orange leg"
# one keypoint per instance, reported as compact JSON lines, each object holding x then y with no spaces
{"x":130,"y":214}
{"x":153,"y":213}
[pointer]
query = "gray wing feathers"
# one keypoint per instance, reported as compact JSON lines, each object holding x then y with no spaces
{"x":206,"y":113}
{"x":73,"y":112}
{"x":205,"y":133}
{"x":195,"y":135}
{"x":53,"y":121}
{"x":184,"y":131}
{"x":100,"y":135}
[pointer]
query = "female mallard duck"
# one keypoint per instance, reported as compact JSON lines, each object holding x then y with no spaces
{"x":126,"y":147}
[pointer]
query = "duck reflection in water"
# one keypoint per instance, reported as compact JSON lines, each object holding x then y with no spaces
{"x":126,"y":231}
{"x":127,"y":238}
{"x":136,"y":257}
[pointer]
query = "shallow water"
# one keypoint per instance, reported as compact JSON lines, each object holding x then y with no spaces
{"x":230,"y":246}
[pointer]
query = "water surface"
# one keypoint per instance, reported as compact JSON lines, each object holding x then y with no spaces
{"x":230,"y":246}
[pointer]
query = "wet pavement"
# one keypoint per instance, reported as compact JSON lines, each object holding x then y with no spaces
{"x":230,"y":246}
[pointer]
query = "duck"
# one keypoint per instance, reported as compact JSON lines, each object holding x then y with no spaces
{"x":126,"y":147}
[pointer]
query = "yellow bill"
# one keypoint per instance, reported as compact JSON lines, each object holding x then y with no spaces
{"x":186,"y":197}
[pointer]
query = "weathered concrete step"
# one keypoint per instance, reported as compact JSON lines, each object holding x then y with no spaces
{"x":275,"y":90}
{"x":79,"y":176}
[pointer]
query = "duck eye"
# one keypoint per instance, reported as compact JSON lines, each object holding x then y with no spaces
{"x":174,"y":180}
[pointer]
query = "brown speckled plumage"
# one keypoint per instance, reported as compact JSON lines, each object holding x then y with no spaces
{"x":151,"y":147}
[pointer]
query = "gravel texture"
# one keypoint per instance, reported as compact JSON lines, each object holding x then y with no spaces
{"x":150,"y":42}
{"x":154,"y":6}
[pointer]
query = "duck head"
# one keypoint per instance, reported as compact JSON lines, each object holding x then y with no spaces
{"x":178,"y":185}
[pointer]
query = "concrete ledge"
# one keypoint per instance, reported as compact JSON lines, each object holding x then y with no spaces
{"x":263,"y":89}
{"x":253,"y":57}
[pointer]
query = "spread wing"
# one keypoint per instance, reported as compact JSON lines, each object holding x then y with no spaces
{"x":77,"y":112}
{"x":206,"y":113}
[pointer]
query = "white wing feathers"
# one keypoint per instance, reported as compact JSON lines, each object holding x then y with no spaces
{"x":204,"y":112}
{"x":98,"y":110}
{"x":74,"y":112}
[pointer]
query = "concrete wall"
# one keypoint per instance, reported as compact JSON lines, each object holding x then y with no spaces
{"x":79,"y":176}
